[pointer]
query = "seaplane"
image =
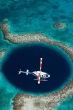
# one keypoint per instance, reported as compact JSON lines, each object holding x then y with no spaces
{"x":41,"y":76}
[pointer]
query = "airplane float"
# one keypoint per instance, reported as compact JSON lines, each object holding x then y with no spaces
{"x":41,"y":76}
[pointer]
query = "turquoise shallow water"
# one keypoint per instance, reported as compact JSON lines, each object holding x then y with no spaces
{"x":35,"y":16}
{"x":4,"y":44}
{"x":39,"y":16}
{"x":66,"y":105}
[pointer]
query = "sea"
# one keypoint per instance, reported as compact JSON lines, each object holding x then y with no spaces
{"x":35,"y":16}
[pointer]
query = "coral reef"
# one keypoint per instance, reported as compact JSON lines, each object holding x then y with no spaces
{"x":60,"y":25}
{"x":23,"y":101}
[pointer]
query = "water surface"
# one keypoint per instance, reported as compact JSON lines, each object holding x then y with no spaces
{"x":28,"y":57}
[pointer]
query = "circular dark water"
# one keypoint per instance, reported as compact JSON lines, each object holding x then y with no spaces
{"x":28,"y":57}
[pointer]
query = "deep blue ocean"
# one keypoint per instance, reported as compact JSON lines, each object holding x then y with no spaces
{"x":35,"y":16}
{"x":28,"y":57}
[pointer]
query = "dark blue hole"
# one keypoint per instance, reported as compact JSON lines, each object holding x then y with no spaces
{"x":28,"y":58}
